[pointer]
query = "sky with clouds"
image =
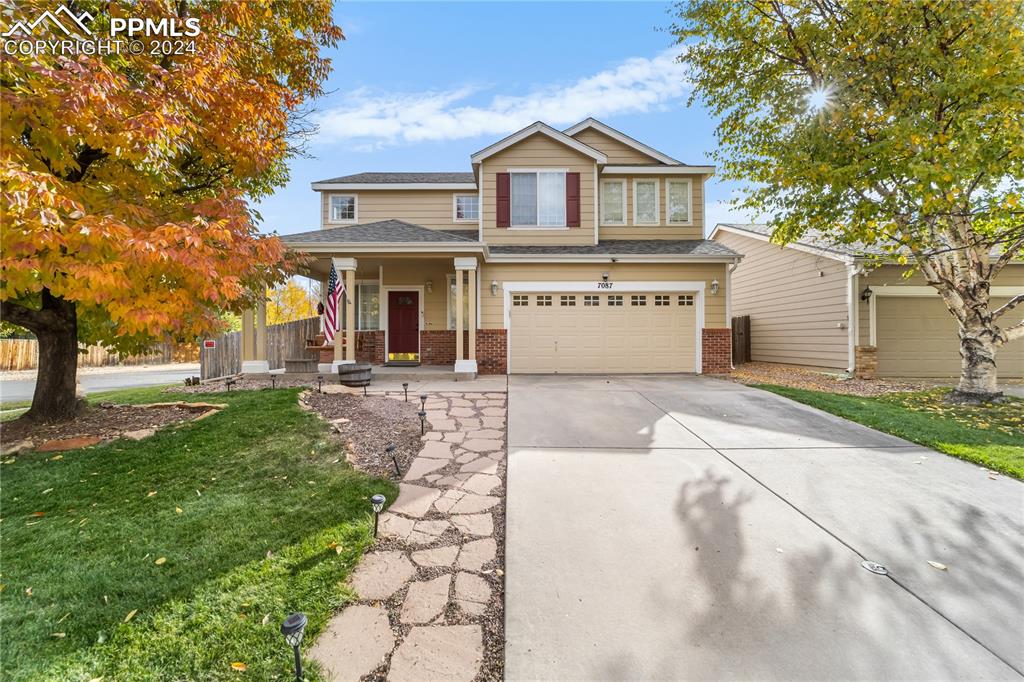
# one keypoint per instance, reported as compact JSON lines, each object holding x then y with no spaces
{"x":420,"y":87}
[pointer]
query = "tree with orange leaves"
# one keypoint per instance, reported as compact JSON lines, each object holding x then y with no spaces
{"x":124,"y":179}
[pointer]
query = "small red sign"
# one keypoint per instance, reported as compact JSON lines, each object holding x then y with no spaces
{"x":209,"y":343}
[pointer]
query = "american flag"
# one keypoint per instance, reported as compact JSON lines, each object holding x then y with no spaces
{"x":332,"y":315}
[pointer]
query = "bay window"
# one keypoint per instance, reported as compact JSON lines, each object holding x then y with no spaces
{"x":613,"y":202}
{"x":538,"y":198}
{"x":678,"y":196}
{"x":645,"y":202}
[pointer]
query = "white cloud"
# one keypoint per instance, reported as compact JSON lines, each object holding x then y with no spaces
{"x":370,"y":119}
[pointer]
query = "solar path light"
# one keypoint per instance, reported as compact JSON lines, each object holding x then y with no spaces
{"x":377,"y":501}
{"x":423,"y":401}
{"x":320,"y":384}
{"x":390,"y":451}
{"x":423,"y":422}
{"x":293,"y":627}
{"x":405,"y":387}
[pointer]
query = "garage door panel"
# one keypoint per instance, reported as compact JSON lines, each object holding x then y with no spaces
{"x":589,"y":333}
{"x":917,"y":337}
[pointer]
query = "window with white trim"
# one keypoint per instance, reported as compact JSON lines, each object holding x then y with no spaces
{"x":661,"y":299}
{"x":520,"y":300}
{"x":343,"y":208}
{"x":613,"y":202}
{"x":686,"y":299}
{"x":568,"y":301}
{"x":591,"y":300}
{"x":538,"y":199}
{"x":544,"y":301}
{"x":467,"y":208}
{"x":368,"y":306}
{"x":638,"y":299}
{"x":615,"y":301}
{"x":645,"y":202}
{"x":678,"y":195}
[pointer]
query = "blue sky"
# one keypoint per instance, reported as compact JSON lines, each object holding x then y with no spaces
{"x":421,"y":86}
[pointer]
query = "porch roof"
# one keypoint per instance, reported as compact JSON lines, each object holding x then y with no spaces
{"x":385,"y":232}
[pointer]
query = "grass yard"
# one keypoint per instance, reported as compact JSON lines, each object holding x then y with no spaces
{"x":177,"y":557}
{"x":992,"y":436}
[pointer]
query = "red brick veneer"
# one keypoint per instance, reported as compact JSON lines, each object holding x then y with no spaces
{"x":716,"y":350}
{"x":437,"y":347}
{"x":370,"y":347}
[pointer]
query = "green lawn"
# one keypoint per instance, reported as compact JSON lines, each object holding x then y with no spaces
{"x":991,"y":435}
{"x":176,"y":556}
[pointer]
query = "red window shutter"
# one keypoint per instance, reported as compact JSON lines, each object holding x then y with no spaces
{"x":504,"y":202}
{"x":572,"y":199}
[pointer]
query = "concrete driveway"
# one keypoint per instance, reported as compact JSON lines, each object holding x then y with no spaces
{"x":692,"y":528}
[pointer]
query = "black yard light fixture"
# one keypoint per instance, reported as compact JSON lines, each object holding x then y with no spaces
{"x":390,"y":452}
{"x":377,"y":501}
{"x":229,"y":383}
{"x":273,"y":381}
{"x":423,"y":401}
{"x":320,"y":384}
{"x":364,"y":390}
{"x":293,"y":627}
{"x":423,"y":422}
{"x":405,"y":387}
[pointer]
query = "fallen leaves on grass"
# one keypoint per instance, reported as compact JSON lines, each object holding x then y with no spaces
{"x":239,"y":666}
{"x":131,"y":614}
{"x":161,"y":561}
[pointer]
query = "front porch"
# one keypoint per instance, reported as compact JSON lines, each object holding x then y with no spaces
{"x":403,"y":314}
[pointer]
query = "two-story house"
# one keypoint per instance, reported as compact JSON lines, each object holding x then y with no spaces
{"x":573,"y":251}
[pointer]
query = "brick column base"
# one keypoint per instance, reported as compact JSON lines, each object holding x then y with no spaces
{"x":437,"y":347}
{"x":491,"y":351}
{"x":370,"y":347}
{"x":716,"y":350}
{"x":865,"y":359}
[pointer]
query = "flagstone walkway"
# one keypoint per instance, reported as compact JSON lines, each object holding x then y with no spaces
{"x":431,"y":589}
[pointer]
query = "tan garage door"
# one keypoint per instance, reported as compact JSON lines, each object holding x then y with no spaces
{"x":917,"y":337}
{"x":556,"y":332}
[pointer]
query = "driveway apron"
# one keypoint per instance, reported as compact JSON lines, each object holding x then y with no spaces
{"x":688,"y":527}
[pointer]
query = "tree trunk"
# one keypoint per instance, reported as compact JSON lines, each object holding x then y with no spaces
{"x":978,"y":375}
{"x":55,"y":325}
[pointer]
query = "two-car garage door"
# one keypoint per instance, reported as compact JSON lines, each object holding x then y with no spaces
{"x":602,"y":333}
{"x":917,"y":337}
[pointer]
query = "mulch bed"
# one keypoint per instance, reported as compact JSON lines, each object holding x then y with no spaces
{"x":251,"y":383}
{"x":106,"y":421}
{"x":374,"y":423}
{"x":818,"y":380}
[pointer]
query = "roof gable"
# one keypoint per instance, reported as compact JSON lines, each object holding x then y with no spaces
{"x":594,"y":124}
{"x":542,"y":129}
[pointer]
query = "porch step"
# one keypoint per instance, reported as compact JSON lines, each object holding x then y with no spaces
{"x":300,"y":366}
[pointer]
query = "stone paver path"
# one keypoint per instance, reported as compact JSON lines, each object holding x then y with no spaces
{"x":431,"y":590}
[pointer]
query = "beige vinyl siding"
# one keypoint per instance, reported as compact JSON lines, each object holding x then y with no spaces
{"x":618,"y":154}
{"x":427,"y":208}
{"x":492,"y":306}
{"x":796,"y":302}
{"x":539,"y":151}
{"x":663,"y":230}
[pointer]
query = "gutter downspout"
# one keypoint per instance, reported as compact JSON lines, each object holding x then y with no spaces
{"x":853,"y":318}
{"x":728,"y":303}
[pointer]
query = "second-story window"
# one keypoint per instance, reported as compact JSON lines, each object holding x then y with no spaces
{"x":678,"y":194}
{"x":343,"y":208}
{"x":645,"y":202}
{"x":538,"y":199}
{"x":613,"y":202}
{"x":467,"y":207}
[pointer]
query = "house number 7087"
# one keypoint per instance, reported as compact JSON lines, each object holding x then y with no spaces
{"x":604,"y":285}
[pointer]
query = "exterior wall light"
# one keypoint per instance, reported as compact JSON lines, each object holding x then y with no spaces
{"x":430,"y":286}
{"x":377,"y":502}
{"x":604,"y":276}
{"x":293,"y":627}
{"x":866,"y":294}
{"x":494,"y":287}
{"x":714,"y":287}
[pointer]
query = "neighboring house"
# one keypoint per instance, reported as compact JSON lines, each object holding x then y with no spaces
{"x":824,"y":305}
{"x":578,"y":251}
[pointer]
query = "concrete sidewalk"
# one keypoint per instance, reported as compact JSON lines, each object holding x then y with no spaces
{"x":691,"y":528}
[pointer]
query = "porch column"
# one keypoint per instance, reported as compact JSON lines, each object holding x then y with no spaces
{"x":345,"y":338}
{"x":463,"y":365}
{"x":248,"y":345}
{"x":254,"y":340}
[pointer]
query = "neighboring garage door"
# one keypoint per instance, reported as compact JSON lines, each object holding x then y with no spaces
{"x":917,"y":337}
{"x":555,"y":332}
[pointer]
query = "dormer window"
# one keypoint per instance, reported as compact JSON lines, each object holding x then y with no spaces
{"x":538,"y":198}
{"x":343,"y":208}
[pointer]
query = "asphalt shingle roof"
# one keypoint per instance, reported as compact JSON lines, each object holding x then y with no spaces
{"x":815,"y":240}
{"x":394,"y":178}
{"x":384,"y":231}
{"x":693,"y":247}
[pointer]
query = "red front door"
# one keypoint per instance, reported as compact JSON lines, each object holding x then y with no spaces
{"x":403,"y":325}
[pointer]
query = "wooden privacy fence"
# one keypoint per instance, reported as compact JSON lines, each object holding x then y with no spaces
{"x":284,"y":342}
{"x":740,"y":340}
{"x":18,"y":354}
